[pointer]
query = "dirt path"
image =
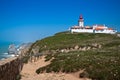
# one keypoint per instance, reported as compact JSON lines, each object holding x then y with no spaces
{"x":30,"y":68}
{"x":28,"y":72}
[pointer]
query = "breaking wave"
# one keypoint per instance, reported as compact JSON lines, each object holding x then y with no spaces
{"x":6,"y":55}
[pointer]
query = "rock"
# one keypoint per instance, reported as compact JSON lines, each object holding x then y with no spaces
{"x":83,"y":49}
{"x":12,"y":49}
{"x":62,"y":50}
{"x":57,"y":50}
{"x":35,"y":50}
{"x":94,"y":44}
{"x":88,"y":48}
{"x":71,"y":49}
{"x":118,"y":35}
{"x":99,"y":46}
{"x":76,"y":47}
{"x":67,"y":50}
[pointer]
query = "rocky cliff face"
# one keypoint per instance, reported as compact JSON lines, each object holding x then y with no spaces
{"x":10,"y":68}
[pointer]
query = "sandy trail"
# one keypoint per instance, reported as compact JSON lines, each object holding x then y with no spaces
{"x":30,"y":68}
{"x":28,"y":72}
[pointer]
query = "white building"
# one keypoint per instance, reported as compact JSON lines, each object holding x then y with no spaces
{"x":94,"y":29}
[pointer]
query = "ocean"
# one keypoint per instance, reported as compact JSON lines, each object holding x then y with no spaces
{"x":4,"y":50}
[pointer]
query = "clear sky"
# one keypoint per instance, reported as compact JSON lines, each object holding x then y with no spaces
{"x":30,"y":20}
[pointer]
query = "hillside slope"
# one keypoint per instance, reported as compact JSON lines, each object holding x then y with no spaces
{"x":97,"y":54}
{"x":66,"y":40}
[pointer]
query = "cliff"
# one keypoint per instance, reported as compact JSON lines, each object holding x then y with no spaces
{"x":10,"y":68}
{"x":98,"y":55}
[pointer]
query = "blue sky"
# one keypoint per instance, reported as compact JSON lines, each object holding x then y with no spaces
{"x":30,"y":20}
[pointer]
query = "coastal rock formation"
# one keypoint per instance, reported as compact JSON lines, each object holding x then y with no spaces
{"x":12,"y":49}
{"x":24,"y":48}
{"x":10,"y":69}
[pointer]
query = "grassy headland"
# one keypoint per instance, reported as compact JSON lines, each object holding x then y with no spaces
{"x":98,"y":63}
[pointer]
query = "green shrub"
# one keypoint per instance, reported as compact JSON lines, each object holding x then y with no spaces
{"x":25,"y":59}
{"x":18,"y":77}
{"x":48,"y":57}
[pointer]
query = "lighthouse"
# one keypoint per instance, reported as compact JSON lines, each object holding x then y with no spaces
{"x":80,"y":28}
{"x":81,"y":21}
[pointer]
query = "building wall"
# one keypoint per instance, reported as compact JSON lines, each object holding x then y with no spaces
{"x":82,"y":30}
{"x":93,"y":31}
{"x":10,"y":68}
{"x":105,"y":31}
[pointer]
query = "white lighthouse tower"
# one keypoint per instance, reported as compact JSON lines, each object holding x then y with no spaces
{"x":81,"y":21}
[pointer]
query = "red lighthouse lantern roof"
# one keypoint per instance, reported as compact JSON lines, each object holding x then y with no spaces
{"x":81,"y":17}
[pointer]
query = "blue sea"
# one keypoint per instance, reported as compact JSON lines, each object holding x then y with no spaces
{"x":4,"y":49}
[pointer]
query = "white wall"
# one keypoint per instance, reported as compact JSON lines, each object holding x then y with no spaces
{"x":81,"y":24}
{"x":92,"y":31}
{"x":82,"y":30}
{"x":105,"y":31}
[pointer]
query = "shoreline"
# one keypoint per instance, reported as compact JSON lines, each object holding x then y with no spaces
{"x":19,"y":48}
{"x":6,"y":56}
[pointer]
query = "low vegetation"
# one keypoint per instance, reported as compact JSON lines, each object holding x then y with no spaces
{"x":66,"y":40}
{"x":98,"y":64}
